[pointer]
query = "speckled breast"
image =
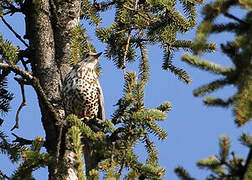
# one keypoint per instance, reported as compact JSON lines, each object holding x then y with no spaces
{"x":81,"y":93}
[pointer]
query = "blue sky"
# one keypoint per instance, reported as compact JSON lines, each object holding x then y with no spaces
{"x":193,"y":129}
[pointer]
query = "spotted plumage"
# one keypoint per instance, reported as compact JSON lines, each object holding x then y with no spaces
{"x":82,"y":92}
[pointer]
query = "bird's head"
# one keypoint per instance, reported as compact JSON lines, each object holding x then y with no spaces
{"x":90,"y":60}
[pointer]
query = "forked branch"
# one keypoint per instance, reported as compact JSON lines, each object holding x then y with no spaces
{"x":36,"y":85}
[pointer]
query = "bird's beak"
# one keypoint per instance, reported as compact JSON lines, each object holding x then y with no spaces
{"x":98,"y":54}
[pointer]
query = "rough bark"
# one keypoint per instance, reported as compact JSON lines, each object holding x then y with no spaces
{"x":247,"y":175}
{"x":48,"y":29}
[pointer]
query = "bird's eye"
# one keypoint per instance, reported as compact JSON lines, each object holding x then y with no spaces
{"x":86,"y":56}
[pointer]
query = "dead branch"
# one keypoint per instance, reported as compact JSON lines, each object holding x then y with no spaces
{"x":21,"y":82}
{"x":36,"y":85}
{"x":125,"y":53}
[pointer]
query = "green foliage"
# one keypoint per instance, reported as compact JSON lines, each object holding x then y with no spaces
{"x":8,"y":52}
{"x":144,"y":63}
{"x":137,"y":123}
{"x":183,"y":174}
{"x":238,"y":51}
{"x":138,"y":24}
{"x":246,"y":3}
{"x":167,"y":64}
{"x":11,"y":149}
{"x":5,"y":96}
{"x":75,"y":134}
{"x":32,"y":160}
{"x":221,"y":166}
{"x":90,"y":12}
{"x":79,"y":44}
{"x":134,"y":124}
{"x":1,"y":11}
{"x":246,"y":139}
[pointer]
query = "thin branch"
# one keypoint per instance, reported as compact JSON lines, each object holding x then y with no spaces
{"x":25,"y":74}
{"x":140,"y":14}
{"x":21,"y":82}
{"x":36,"y":85}
{"x":125,"y":53}
{"x":2,"y":175}
{"x":21,"y":140}
{"x":14,"y":32}
{"x":235,"y":18}
{"x":6,"y":13}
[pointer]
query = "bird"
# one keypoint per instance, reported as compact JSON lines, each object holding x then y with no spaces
{"x":82,"y":92}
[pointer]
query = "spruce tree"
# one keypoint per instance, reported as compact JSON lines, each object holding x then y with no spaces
{"x":56,"y":41}
{"x":226,"y":164}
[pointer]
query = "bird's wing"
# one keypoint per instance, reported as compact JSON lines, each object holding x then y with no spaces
{"x":101,"y":111}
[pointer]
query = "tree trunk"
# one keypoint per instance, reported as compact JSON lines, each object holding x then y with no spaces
{"x":48,"y":29}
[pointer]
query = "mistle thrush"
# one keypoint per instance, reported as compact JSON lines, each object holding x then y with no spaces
{"x":82,"y":92}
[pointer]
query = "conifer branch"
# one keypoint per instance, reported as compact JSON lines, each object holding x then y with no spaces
{"x":21,"y":140}
{"x":140,"y":14}
{"x":182,"y":173}
{"x":144,"y":64}
{"x":103,"y":5}
{"x":3,"y":176}
{"x":14,"y":32}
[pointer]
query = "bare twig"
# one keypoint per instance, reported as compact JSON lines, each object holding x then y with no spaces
{"x":21,"y":83}
{"x":118,"y":32}
{"x":14,"y":32}
{"x":21,"y":140}
{"x":125,"y":53}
